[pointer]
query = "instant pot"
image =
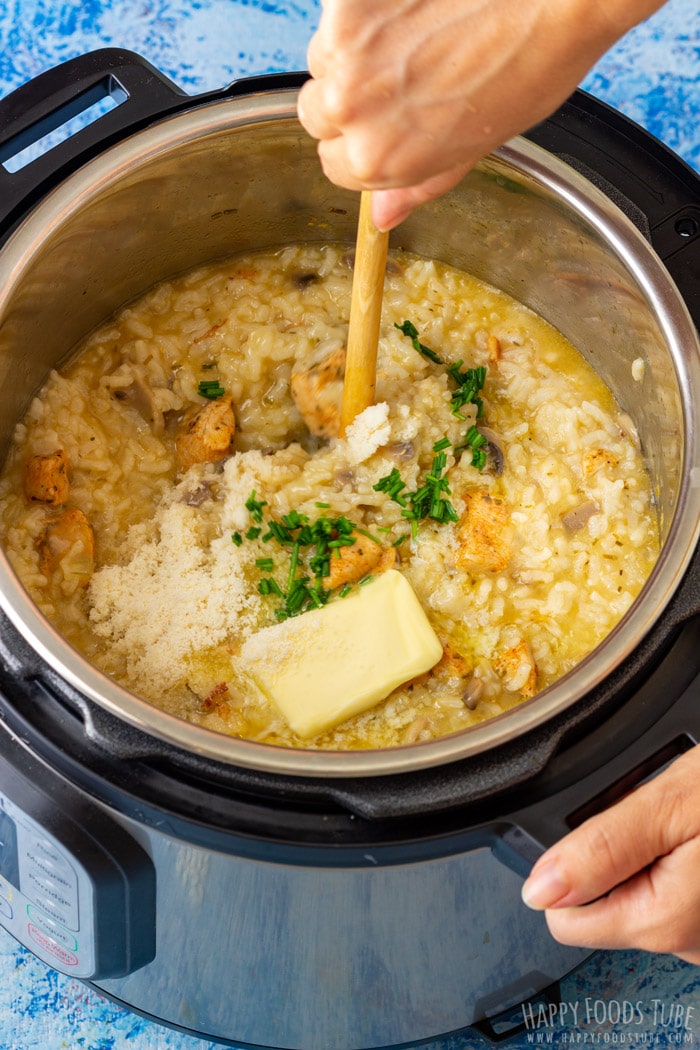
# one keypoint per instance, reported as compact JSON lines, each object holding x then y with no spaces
{"x":303,"y":899}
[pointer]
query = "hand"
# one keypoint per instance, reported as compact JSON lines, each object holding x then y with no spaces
{"x":628,"y":877}
{"x":408,"y":95}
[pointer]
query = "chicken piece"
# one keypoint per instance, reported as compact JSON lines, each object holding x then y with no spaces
{"x":518,"y":669}
{"x":318,"y":392}
{"x":46,"y":479}
{"x":208,"y":435}
{"x":597,"y":459}
{"x":452,"y":664}
{"x":356,"y":560}
{"x":68,"y":544}
{"x":484,"y":537}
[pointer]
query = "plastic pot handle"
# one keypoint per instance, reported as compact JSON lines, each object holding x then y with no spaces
{"x":138,"y":92}
{"x":526,"y":833}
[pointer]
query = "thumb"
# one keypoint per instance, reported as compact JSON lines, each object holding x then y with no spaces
{"x":616,"y":844}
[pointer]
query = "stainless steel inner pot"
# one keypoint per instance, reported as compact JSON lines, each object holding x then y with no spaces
{"x":240,"y":174}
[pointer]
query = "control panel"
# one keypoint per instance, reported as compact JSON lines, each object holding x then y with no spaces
{"x":75,"y":887}
{"x":45,"y":896}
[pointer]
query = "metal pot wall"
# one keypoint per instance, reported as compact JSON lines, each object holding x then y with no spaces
{"x":226,"y":174}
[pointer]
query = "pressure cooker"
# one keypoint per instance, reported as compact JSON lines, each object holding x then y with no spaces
{"x":301,"y":899}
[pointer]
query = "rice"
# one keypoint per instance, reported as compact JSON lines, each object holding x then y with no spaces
{"x":173,"y":598}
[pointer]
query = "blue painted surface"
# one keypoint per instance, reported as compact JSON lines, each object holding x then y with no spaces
{"x":653,"y":75}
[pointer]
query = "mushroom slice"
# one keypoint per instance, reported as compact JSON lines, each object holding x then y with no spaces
{"x":141,"y":396}
{"x":318,"y":393}
{"x":578,"y":517}
{"x":68,"y":545}
{"x":495,"y":458}
{"x":46,"y":479}
{"x":208,"y":434}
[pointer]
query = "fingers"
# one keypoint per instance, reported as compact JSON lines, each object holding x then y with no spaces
{"x":621,"y":841}
{"x":314,"y":113}
{"x":657,"y":910}
{"x":627,"y":878}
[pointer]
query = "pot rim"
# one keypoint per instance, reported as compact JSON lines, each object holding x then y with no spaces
{"x":677,"y":327}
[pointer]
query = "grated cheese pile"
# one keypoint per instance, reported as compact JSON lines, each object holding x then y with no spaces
{"x":181,"y":592}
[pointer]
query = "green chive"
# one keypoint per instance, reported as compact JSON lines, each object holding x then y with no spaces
{"x":211,"y":389}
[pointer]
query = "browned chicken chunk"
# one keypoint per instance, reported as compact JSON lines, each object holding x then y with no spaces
{"x":518,"y":669}
{"x":597,"y":459}
{"x":46,"y":479}
{"x":484,"y":537}
{"x":208,"y":435}
{"x":357,"y":560}
{"x":68,"y":545}
{"x":318,"y":392}
{"x":452,"y":664}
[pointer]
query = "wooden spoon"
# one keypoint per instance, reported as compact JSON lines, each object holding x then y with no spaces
{"x":365,"y":315}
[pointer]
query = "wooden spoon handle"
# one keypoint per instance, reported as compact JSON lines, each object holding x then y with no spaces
{"x":365,"y":315}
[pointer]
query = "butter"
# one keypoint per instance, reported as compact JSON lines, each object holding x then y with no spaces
{"x":329,"y":664}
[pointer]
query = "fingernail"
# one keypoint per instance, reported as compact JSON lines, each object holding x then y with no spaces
{"x":544,"y":887}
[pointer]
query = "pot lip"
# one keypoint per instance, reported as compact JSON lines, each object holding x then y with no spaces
{"x":556,"y":178}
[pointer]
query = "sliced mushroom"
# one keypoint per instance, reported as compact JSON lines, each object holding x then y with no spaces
{"x":46,"y":479}
{"x":208,"y":434}
{"x":196,"y":497}
{"x":141,"y":396}
{"x":578,"y":517}
{"x":400,"y":450}
{"x":495,"y":458}
{"x":303,"y":280}
{"x":471,"y":694}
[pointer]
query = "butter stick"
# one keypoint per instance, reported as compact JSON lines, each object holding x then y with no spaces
{"x":329,"y":664}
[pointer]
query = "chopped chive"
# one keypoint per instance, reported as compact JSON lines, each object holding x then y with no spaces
{"x":210,"y":388}
{"x":323,"y":506}
{"x":266,"y":564}
{"x":255,"y":506}
{"x":293,"y":566}
{"x":237,"y":538}
{"x":253,"y":532}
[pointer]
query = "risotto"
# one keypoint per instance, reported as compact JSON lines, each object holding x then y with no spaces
{"x":179,"y":492}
